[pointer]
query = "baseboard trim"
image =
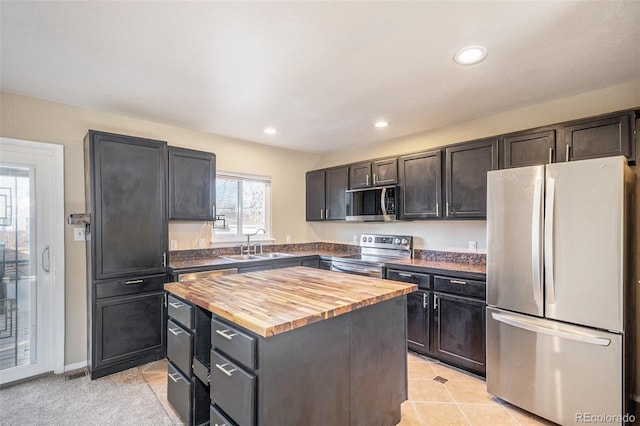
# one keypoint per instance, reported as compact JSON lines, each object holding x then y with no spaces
{"x":75,"y":366}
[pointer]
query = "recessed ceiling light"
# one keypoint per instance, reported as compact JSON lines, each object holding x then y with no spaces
{"x":470,"y":55}
{"x":381,"y":124}
{"x":270,"y":131}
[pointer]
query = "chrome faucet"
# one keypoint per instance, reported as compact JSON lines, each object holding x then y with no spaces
{"x":248,"y":248}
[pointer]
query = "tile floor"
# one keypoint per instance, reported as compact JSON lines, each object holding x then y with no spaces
{"x":461,"y":400}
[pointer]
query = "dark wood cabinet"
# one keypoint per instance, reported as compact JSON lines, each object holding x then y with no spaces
{"x":599,"y":137}
{"x":420,"y":183}
{"x":325,"y":194}
{"x":373,"y":173}
{"x":315,"y":194}
{"x":529,"y":148}
{"x":360,"y":175}
{"x":127,"y":186}
{"x":126,"y":253}
{"x":418,"y":321}
{"x":466,"y":177}
{"x":192,"y":189}
{"x":459,"y":328}
{"x":337,"y":181}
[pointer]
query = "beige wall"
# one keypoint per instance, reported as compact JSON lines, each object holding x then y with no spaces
{"x":455,"y":235}
{"x":37,"y":120}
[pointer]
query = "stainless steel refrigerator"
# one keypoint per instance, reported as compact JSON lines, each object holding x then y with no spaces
{"x":558,"y":288}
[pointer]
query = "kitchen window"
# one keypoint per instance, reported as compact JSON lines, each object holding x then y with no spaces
{"x":243,"y":206}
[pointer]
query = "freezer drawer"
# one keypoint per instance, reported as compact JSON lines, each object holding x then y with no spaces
{"x":555,"y":370}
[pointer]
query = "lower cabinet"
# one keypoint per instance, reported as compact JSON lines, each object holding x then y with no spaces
{"x":127,"y":325}
{"x":188,"y":348}
{"x":446,"y":317}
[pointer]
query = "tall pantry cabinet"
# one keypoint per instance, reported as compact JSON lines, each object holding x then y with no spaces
{"x":126,"y":179}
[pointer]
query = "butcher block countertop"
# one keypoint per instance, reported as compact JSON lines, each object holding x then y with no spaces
{"x":275,"y":301}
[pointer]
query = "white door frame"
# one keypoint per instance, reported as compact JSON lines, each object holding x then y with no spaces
{"x":56,"y":255}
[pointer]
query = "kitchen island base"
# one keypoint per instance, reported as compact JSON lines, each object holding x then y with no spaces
{"x":347,"y":370}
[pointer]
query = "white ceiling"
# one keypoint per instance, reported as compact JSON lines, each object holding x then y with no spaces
{"x":320,"y":72}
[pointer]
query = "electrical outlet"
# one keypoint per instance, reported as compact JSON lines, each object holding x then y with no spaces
{"x":78,"y":233}
{"x":473,"y":246}
{"x":288,"y":239}
{"x":174,"y":245}
{"x":355,"y":238}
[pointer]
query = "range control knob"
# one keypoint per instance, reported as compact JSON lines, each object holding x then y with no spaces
{"x":370,"y":239}
{"x":396,"y":241}
{"x":404,"y":241}
{"x":364,"y":239}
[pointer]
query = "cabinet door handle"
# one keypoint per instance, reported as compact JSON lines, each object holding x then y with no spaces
{"x":164,"y":259}
{"x":566,"y":152}
{"x":457,"y":282}
{"x":174,"y":379}
{"x":435,"y":302}
{"x":326,"y":213}
{"x":176,"y":331}
{"x":133,"y":282}
{"x":550,"y":155}
{"x":224,"y":334}
{"x":321,"y":213}
{"x":367,"y":180}
{"x":227,"y":372}
{"x":425,"y":303}
{"x":176,"y":305}
{"x":437,"y":209}
{"x":375,"y":179}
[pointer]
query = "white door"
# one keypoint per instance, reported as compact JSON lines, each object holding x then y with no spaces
{"x":31,"y":259}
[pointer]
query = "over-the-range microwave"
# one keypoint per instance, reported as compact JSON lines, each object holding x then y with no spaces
{"x":371,"y":204}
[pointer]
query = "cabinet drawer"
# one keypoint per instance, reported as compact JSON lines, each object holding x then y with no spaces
{"x":233,"y":389}
{"x":422,"y":280}
{"x":201,"y":370}
{"x":179,"y":393}
{"x":217,"y":418}
{"x":125,"y":286}
{"x":460,"y":286}
{"x":180,"y":347}
{"x":180,"y":311}
{"x":234,"y":343}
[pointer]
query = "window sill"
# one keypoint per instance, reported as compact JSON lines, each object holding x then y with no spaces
{"x":239,"y":242}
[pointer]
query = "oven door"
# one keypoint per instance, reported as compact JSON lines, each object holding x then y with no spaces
{"x":357,"y":269}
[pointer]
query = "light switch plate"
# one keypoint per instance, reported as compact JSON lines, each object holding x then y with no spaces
{"x":473,"y":246}
{"x":78,"y":233}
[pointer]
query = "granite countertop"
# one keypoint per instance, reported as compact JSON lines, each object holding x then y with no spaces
{"x":219,"y":261}
{"x":442,"y":265}
{"x":276,"y":301}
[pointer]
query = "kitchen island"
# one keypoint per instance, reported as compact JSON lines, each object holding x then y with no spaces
{"x":300,"y":346}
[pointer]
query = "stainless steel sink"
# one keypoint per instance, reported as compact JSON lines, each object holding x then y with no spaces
{"x":240,"y":257}
{"x":273,"y":255}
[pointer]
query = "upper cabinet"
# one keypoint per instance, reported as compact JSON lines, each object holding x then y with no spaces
{"x":420,"y":180}
{"x":466,"y":170}
{"x":325,"y":196}
{"x":528,"y":148}
{"x":192,"y":189}
{"x":373,"y":173}
{"x":599,"y":137}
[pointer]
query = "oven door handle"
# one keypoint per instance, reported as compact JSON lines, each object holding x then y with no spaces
{"x":357,"y":270}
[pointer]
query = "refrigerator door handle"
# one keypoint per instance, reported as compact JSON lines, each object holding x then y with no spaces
{"x":526,"y":325}
{"x":536,"y":246}
{"x":548,"y":241}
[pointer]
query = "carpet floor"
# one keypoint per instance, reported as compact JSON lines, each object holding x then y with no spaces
{"x":123,"y":398}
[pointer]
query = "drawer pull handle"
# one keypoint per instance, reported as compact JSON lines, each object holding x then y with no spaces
{"x":404,"y":274}
{"x":224,"y":334}
{"x":458,"y":282}
{"x":133,"y":282}
{"x":174,"y":379}
{"x":223,"y":424}
{"x":176,"y":331}
{"x":176,"y":305}
{"x":227,"y":372}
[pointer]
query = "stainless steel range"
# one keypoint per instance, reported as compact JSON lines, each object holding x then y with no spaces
{"x":375,"y":251}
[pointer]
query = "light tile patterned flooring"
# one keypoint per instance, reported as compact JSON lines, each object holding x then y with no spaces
{"x":461,"y":400}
